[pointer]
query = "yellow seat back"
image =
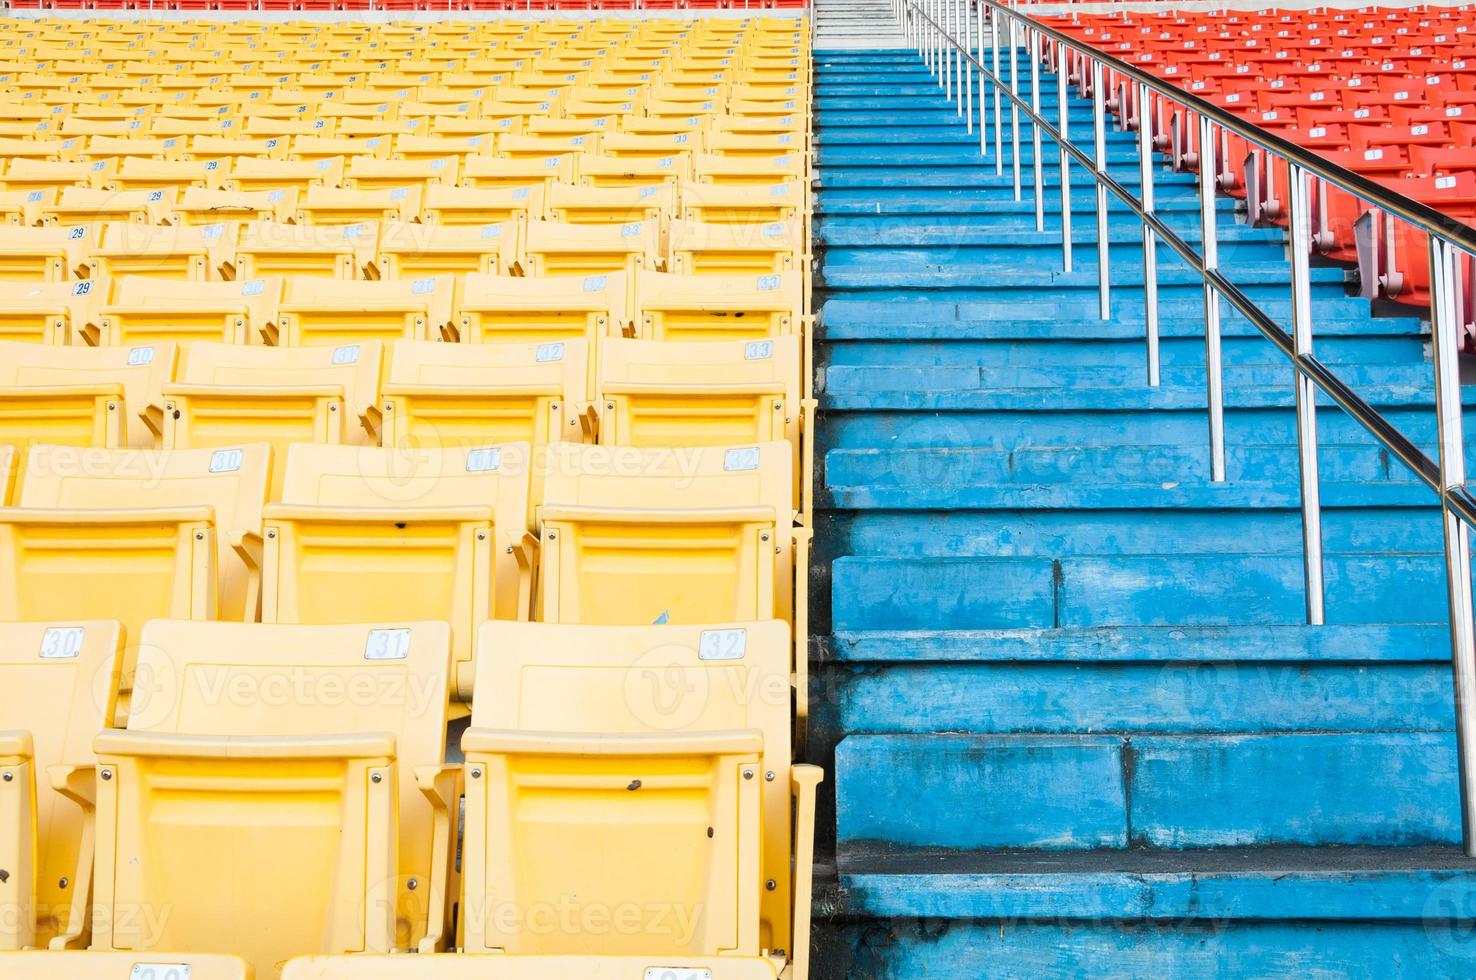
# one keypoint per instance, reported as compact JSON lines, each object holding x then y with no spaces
{"x":332,"y":206}
{"x":688,"y":535}
{"x":58,"y":312}
{"x":742,"y":204}
{"x":333,"y":312}
{"x":480,"y":206}
{"x":408,"y":250}
{"x":283,"y":761}
{"x":148,"y":310}
{"x":508,"y":309}
{"x":425,"y":533}
{"x":58,"y":688}
{"x":734,"y":249}
{"x":579,"y":204}
{"x":46,"y":254}
{"x":272,"y":248}
{"x":554,"y":249}
{"x":201,"y":252}
{"x":642,"y":768}
{"x":675,"y":307}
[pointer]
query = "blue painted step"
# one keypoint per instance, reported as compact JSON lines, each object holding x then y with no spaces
{"x":1075,"y":722}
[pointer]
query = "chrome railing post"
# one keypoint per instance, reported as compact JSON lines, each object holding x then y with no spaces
{"x":1014,"y":105}
{"x":1210,"y":248}
{"x":998,"y":110}
{"x":960,"y":51}
{"x":968,"y":79}
{"x":1300,"y":234}
{"x":945,"y":77}
{"x":1444,"y":326}
{"x":983,"y":127}
{"x":1037,"y":174}
{"x":1150,"y":240}
{"x":1099,"y":147}
{"x":1063,"y":128}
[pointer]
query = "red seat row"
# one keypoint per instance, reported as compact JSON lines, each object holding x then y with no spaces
{"x":1389,"y":94}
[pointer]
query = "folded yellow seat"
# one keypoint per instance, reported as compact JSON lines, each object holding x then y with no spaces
{"x":369,"y":173}
{"x":412,"y":249}
{"x":756,"y":145}
{"x":201,"y":206}
{"x":56,"y":312}
{"x":227,"y":394}
{"x":84,"y":122}
{"x":134,"y":535}
{"x":196,"y":252}
{"x":185,"y":124}
{"x":513,"y":309}
{"x":58,"y":689}
{"x":711,"y":168}
{"x":459,"y":394}
{"x":554,"y":249}
{"x":144,"y":174}
{"x":538,"y":147}
{"x":261,"y":122}
{"x":776,"y":108}
{"x":333,"y":206}
{"x":81,"y":396}
{"x":316,"y":147}
{"x":90,"y":965}
{"x":118,"y":147}
{"x":698,"y":248}
{"x":602,"y":171}
{"x":742,"y":203}
{"x":581,"y":204}
{"x":332,"y":312}
{"x":439,"y":533}
{"x":303,"y":765}
{"x":441,"y":147}
{"x":234,"y":148}
{"x":22,"y":173}
{"x":483,"y":205}
{"x":486,"y":127}
{"x":273,"y":248}
{"x":611,"y":105}
{"x":547,"y":126}
{"x":47,"y":253}
{"x":79,"y":205}
{"x":492,"y":172}
{"x":147,"y":309}
{"x":264,"y":174}
{"x":681,"y":307}
{"x":672,"y":125}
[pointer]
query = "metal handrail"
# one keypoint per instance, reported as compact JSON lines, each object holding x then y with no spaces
{"x":927,"y":24}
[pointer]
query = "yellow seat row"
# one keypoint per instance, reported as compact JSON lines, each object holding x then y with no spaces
{"x":573,"y":534}
{"x":630,"y":803}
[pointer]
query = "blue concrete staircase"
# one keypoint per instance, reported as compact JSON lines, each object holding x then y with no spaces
{"x":1075,"y":722}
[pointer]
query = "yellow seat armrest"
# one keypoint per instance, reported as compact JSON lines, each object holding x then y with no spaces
{"x":78,"y":784}
{"x":801,"y":536}
{"x":372,"y":420}
{"x":803,"y":780}
{"x":153,"y":417}
{"x":248,"y":547}
{"x":442,"y":786}
{"x":525,"y":553}
{"x":589,"y":421}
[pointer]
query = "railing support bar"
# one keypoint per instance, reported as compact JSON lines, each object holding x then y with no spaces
{"x":1150,"y":241}
{"x":1209,"y":245}
{"x":1300,"y":222}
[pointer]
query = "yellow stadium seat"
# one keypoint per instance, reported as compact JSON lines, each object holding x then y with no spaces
{"x":227,"y":395}
{"x":489,"y":172}
{"x":79,"y":205}
{"x":133,"y":535}
{"x":437,"y":147}
{"x":504,"y":309}
{"x":56,"y":312}
{"x":674,"y":307}
{"x":480,"y":206}
{"x":733,"y":249}
{"x":407,"y":249}
{"x":122,"y":966}
{"x":23,"y":207}
{"x":311,"y":801}
{"x":333,"y":312}
{"x":201,"y":206}
{"x":331,"y":206}
{"x":59,"y":689}
{"x":64,"y":150}
{"x":634,"y":171}
{"x":141,"y":174}
{"x":554,"y":249}
{"x":711,"y":168}
{"x":108,"y":147}
{"x":689,"y":535}
{"x":439,"y":394}
{"x":741,"y":204}
{"x":26,"y":174}
{"x":48,"y":253}
{"x":540,"y":147}
{"x":199,"y":252}
{"x":230,"y":148}
{"x":261,"y":174}
{"x":369,"y":174}
{"x":144,"y":310}
{"x":80,"y":396}
{"x":753,"y":145}
{"x":272,"y":248}
{"x":585,"y":205}
{"x":314,"y":147}
{"x":426,"y":533}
